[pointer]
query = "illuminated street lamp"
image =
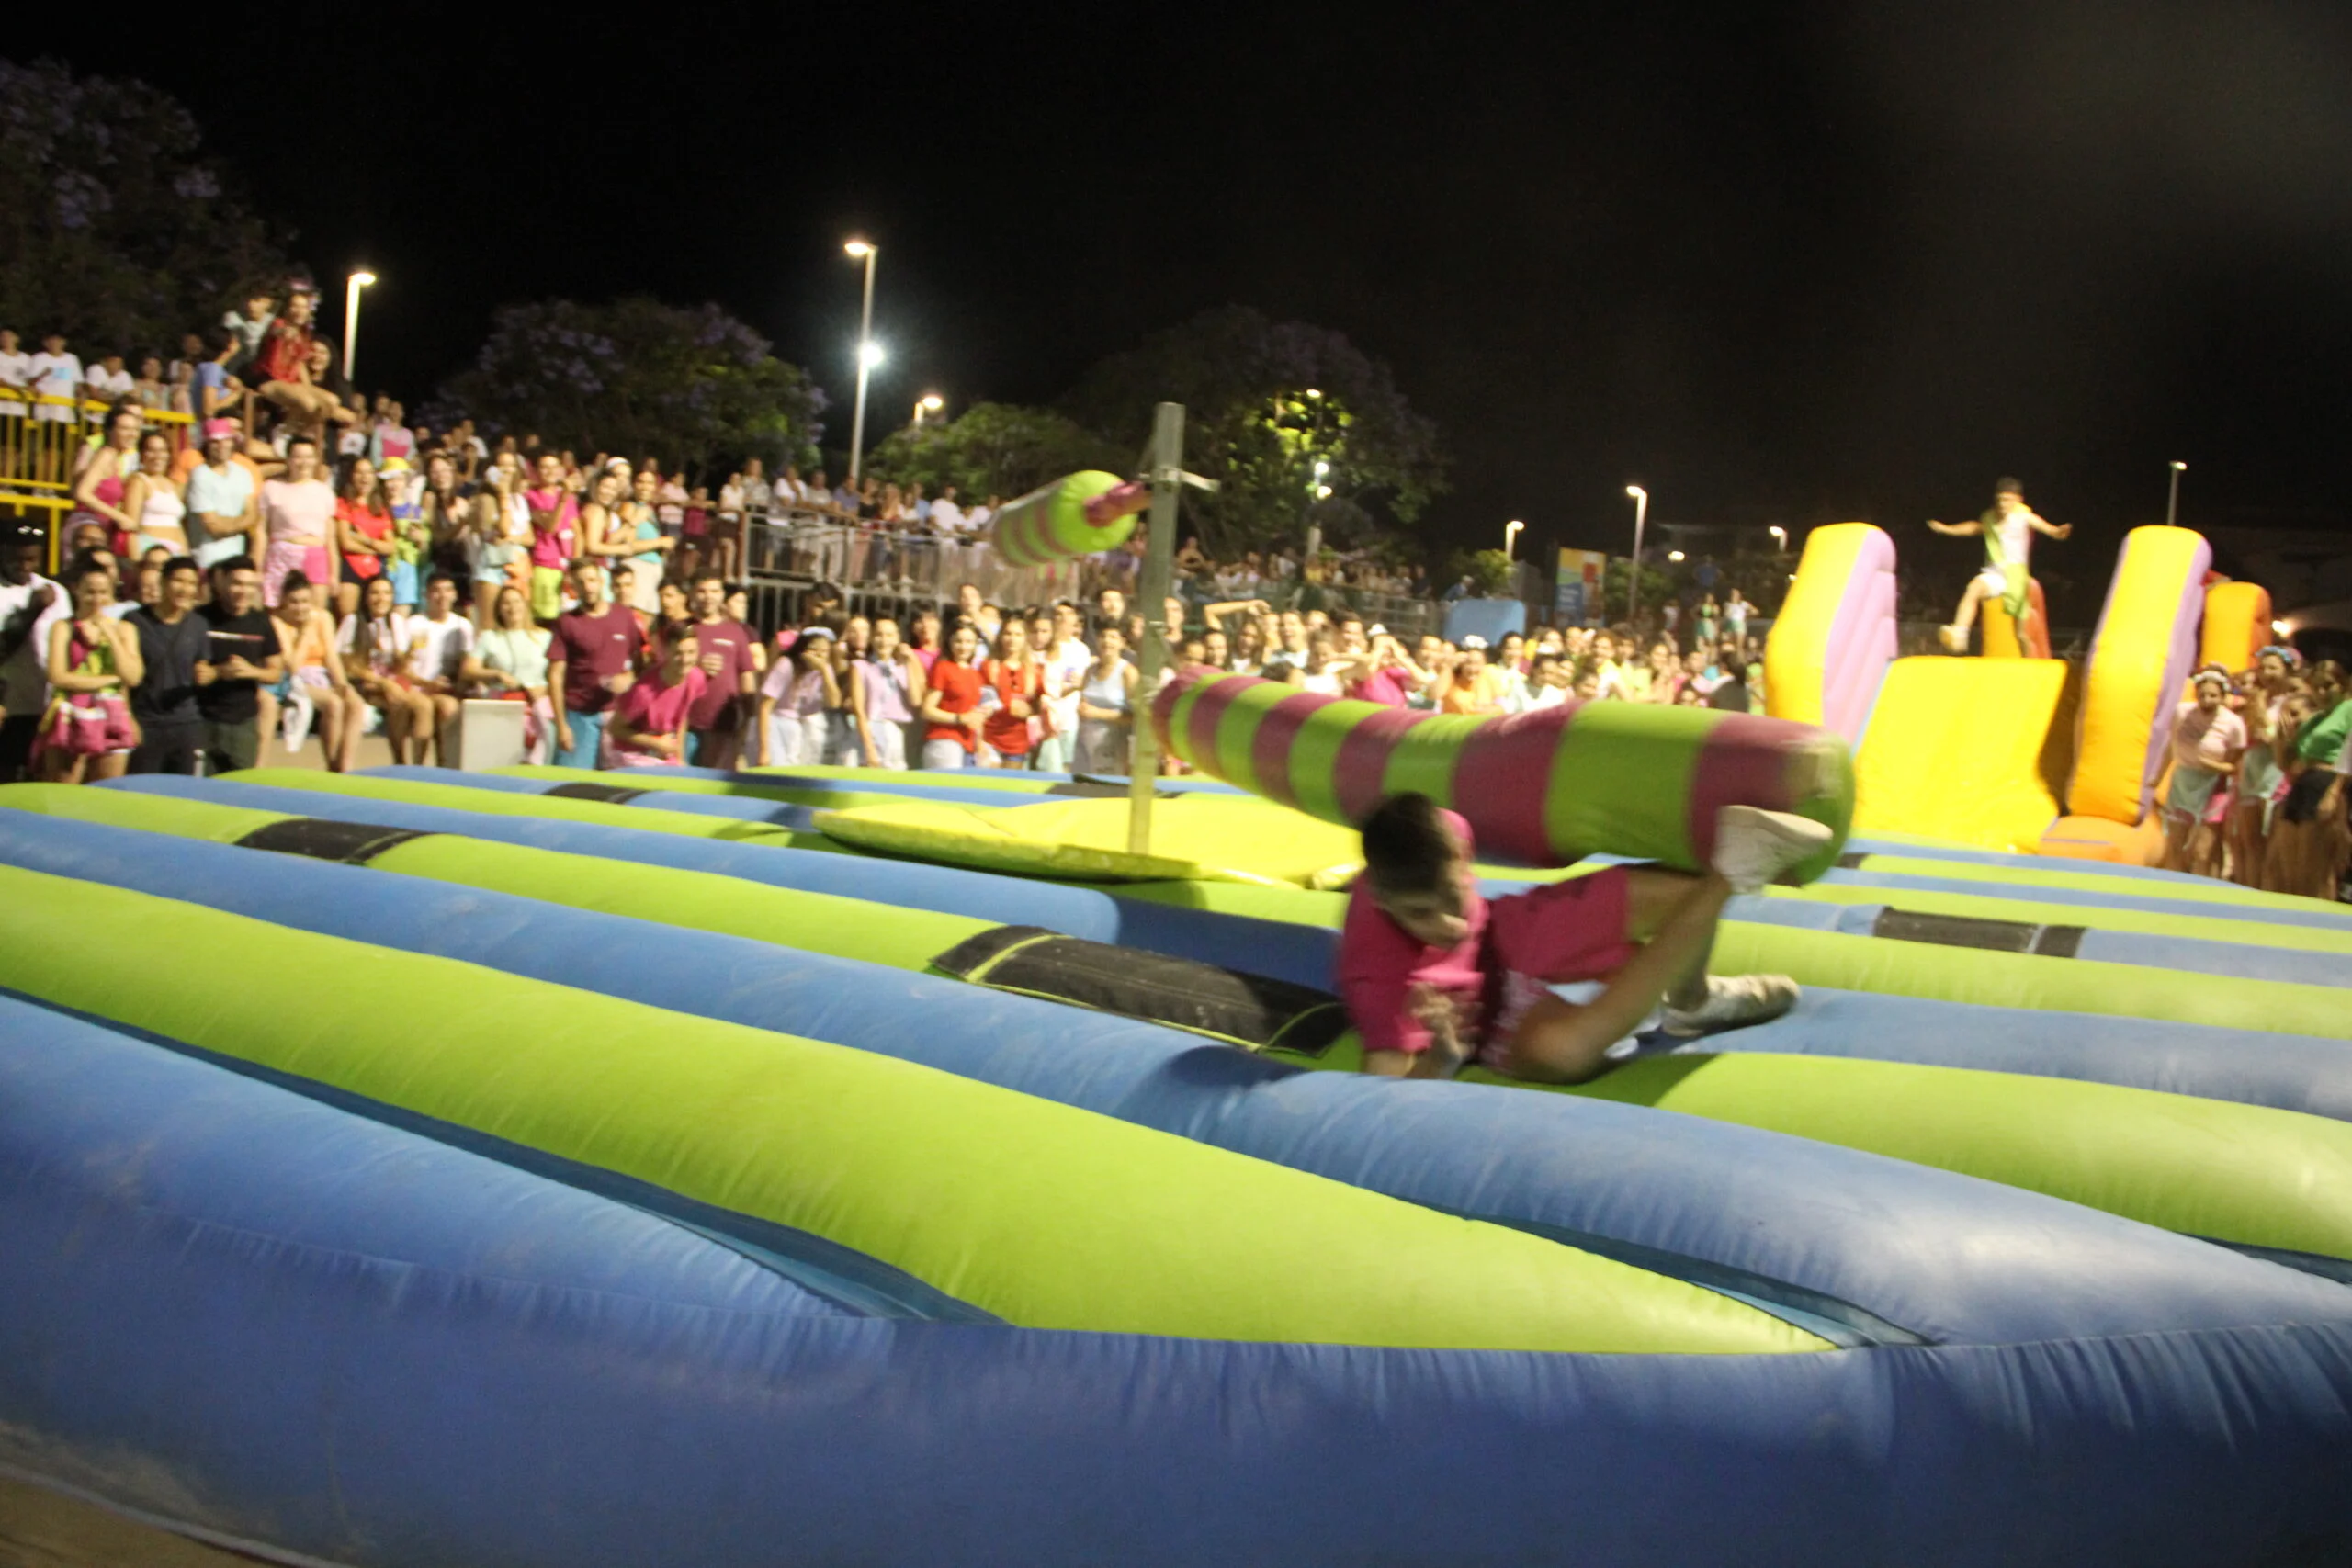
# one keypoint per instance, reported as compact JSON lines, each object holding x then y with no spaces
{"x":1674,"y":556}
{"x":1634,"y":579}
{"x":2172,"y":502}
{"x":352,"y":286}
{"x":1780,"y":538}
{"x":1511,"y":537}
{"x":869,"y":354}
{"x":929,"y":402}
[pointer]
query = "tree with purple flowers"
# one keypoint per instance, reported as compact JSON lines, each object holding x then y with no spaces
{"x":115,"y":228}
{"x":636,"y":377}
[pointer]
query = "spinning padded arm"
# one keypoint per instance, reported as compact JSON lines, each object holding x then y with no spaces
{"x":1545,"y":788}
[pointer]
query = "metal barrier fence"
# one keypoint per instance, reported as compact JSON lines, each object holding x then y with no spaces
{"x":41,"y":442}
{"x":891,"y":572}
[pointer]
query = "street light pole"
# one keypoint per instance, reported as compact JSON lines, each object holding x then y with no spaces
{"x":352,"y":286}
{"x":2172,"y":502}
{"x":1634,"y":579}
{"x":1511,"y":538}
{"x":861,"y":250}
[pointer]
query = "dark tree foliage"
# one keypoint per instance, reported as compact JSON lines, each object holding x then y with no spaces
{"x":115,"y":228}
{"x":691,"y":388}
{"x":1296,"y":424}
{"x":998,"y":449}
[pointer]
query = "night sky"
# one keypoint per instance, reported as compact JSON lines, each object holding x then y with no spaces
{"x":1804,"y":263}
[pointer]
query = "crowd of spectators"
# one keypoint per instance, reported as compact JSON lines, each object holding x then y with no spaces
{"x":313,"y":565}
{"x":2257,"y":793}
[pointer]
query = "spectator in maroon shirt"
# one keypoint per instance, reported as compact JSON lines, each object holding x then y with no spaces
{"x":591,"y":662}
{"x":730,"y":669}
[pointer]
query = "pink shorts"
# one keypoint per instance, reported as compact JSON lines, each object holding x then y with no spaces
{"x":311,"y":560}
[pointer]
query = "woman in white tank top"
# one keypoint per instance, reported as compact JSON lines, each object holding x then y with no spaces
{"x":154,"y":500}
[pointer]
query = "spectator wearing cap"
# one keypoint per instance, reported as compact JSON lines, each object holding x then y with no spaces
{"x":1473,"y":686}
{"x":223,"y":500}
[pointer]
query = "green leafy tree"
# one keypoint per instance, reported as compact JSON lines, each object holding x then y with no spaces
{"x":1492,"y":573}
{"x":1616,"y":579}
{"x":691,"y":388}
{"x":115,"y":228}
{"x":1298,"y":425}
{"x":998,"y":449}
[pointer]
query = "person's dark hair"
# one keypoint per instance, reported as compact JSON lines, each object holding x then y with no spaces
{"x":1407,"y":846}
{"x":301,"y":441}
{"x":239,"y":563}
{"x":709,"y":576}
{"x":432,"y":578}
{"x":83,"y":565}
{"x":2006,"y":485}
{"x":293,"y":579}
{"x":181,"y":563}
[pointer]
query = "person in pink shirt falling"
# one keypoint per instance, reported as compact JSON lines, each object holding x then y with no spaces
{"x":649,"y":723}
{"x":555,"y":536}
{"x":1433,"y":974}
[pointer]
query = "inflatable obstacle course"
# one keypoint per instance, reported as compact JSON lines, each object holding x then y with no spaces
{"x":2013,"y":752}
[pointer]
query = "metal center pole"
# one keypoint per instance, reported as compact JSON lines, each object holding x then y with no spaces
{"x":865,"y":366}
{"x":1167,"y":477}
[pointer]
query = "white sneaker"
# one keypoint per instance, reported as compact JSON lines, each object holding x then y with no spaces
{"x":1753,"y":845}
{"x":1734,"y":1001}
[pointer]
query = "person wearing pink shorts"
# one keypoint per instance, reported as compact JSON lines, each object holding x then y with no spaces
{"x":1433,"y":972}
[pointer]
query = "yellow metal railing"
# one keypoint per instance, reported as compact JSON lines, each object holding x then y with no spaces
{"x":41,"y":450}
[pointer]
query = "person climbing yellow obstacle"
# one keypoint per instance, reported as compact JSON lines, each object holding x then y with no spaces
{"x":2008,"y":529}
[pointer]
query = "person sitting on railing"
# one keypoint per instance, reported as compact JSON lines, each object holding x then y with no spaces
{"x":16,"y":374}
{"x":283,"y":367}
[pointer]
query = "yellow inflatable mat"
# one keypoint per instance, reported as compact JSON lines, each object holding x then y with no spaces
{"x":1194,"y":837}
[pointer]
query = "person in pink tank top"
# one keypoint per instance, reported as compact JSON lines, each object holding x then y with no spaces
{"x":555,"y":536}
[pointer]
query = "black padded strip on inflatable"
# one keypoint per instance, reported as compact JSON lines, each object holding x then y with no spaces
{"x":611,"y":794}
{"x":347,"y":843}
{"x":1852,"y":860}
{"x":1249,"y":1010}
{"x":1963,"y":930}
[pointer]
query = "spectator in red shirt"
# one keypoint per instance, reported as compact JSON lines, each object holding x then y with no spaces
{"x":1014,"y":679}
{"x":951,"y":705}
{"x":648,"y":728}
{"x":590,"y":664}
{"x":730,"y":669}
{"x":282,"y":367}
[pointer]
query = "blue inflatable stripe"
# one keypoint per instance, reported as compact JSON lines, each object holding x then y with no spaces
{"x":1907,"y":1244}
{"x":1278,"y":949}
{"x":2236,"y":960}
{"x":2154,"y":902}
{"x":744,"y":807}
{"x":311,"y":1401}
{"x":2291,"y":1072}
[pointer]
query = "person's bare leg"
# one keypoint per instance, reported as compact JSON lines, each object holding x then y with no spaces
{"x":326,"y":723}
{"x":1652,"y":896}
{"x":109,"y":766}
{"x":445,"y":712}
{"x":1963,"y":620}
{"x":265,"y":726}
{"x":1559,"y":1042}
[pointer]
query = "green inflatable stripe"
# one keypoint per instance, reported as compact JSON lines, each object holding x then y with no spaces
{"x":2151,"y":922}
{"x":2237,"y":1173}
{"x":2028,"y":980}
{"x":500,"y":802}
{"x":2247,"y":1175}
{"x":2087,"y":882}
{"x":1630,"y":789}
{"x":1098,"y":1225}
